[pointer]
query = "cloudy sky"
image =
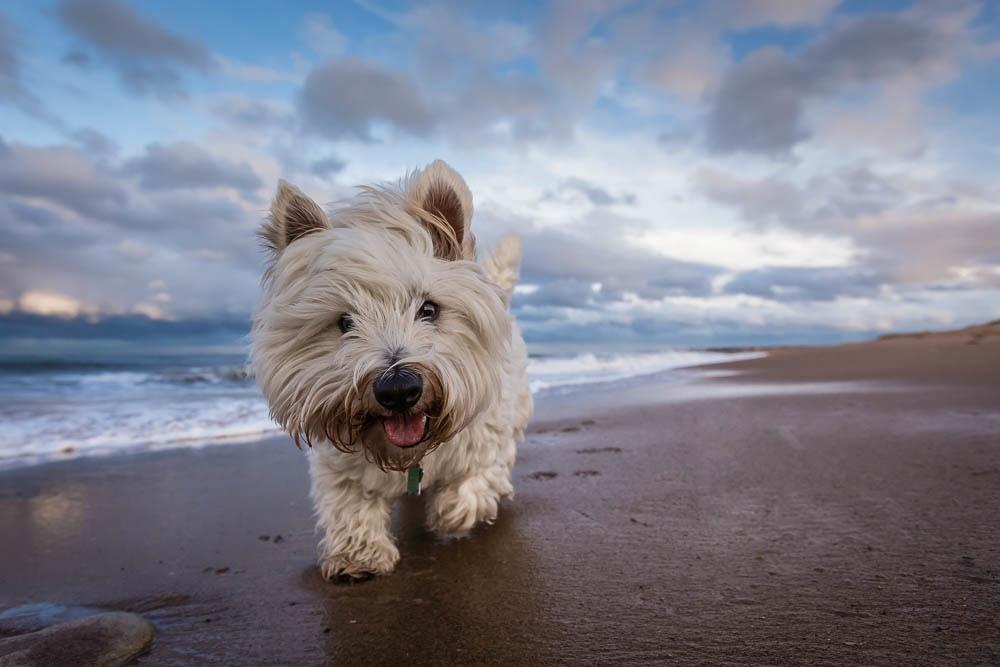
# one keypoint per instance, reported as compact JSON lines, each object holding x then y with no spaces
{"x":715,"y":172}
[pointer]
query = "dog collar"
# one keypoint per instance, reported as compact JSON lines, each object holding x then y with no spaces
{"x":413,"y":477}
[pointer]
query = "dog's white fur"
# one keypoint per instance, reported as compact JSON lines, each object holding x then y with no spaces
{"x":377,"y":259}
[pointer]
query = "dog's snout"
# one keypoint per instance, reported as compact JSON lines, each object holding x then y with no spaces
{"x":398,"y":389}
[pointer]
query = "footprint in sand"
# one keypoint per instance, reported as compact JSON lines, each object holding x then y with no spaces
{"x":587,"y":473}
{"x":600,"y":450}
{"x":543,"y":474}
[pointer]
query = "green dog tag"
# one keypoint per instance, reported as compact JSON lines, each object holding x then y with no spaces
{"x":413,"y":477}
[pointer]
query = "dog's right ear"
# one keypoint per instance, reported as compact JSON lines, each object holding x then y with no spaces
{"x":443,"y":204}
{"x":293,"y":215}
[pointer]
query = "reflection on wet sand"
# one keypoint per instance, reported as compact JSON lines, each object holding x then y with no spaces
{"x":474,"y":600}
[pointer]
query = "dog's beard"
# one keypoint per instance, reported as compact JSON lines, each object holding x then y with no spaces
{"x":357,"y":423}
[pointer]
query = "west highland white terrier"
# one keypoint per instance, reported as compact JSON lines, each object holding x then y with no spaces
{"x":382,"y":344}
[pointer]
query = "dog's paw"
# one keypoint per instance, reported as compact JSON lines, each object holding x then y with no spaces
{"x":459,"y":509}
{"x":369,"y":561}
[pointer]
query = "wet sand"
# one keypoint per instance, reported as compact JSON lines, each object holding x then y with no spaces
{"x":762,"y":517}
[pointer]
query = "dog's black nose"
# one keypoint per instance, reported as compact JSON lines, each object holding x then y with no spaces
{"x":398,"y":389}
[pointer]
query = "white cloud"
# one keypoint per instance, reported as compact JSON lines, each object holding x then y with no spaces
{"x":741,"y":249}
{"x":152,"y":311}
{"x":44,"y":302}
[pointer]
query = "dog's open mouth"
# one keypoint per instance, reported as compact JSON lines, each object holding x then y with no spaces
{"x":405,"y":430}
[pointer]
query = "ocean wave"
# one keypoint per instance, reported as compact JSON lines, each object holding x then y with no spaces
{"x":55,"y":381}
{"x":62,"y":412}
{"x":566,"y":372}
{"x":85,"y":428}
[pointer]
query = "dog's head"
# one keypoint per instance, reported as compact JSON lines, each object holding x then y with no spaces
{"x":377,"y":331}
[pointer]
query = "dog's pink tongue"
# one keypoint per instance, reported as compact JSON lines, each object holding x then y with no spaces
{"x":404,"y":430}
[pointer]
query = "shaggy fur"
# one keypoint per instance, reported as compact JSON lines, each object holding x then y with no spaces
{"x":375,"y":261}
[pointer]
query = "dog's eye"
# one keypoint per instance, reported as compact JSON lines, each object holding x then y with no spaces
{"x":346,"y":323}
{"x":428,"y":311}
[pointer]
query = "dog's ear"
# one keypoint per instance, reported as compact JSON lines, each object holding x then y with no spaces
{"x":504,"y":263}
{"x":443,"y":204}
{"x":293,"y":215}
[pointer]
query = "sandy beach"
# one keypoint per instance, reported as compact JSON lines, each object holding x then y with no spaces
{"x":818,"y":506}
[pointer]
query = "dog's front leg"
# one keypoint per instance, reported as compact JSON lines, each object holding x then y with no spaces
{"x":459,"y":505}
{"x":354,"y":523}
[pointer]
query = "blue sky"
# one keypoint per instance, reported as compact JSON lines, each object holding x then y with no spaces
{"x":701,"y":173}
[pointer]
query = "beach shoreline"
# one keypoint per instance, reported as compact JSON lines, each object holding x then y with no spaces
{"x":732,"y":515}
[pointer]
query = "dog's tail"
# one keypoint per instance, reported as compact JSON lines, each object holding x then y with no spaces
{"x":504,"y":263}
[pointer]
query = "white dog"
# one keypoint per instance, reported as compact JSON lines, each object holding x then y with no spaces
{"x":381,"y":343}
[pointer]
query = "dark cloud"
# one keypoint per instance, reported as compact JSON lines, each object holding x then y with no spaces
{"x":187,"y":210}
{"x":471,"y":71}
{"x":907,"y":231}
{"x":475,"y":70}
{"x":573,"y":61}
{"x":581,"y":271}
{"x":552,"y":255}
{"x":185,"y":165}
{"x":204,"y":255}
{"x":153,"y":80}
{"x":79,"y":200}
{"x":752,"y":13}
{"x":12,"y":88}
{"x":559,"y":293}
{"x":252,"y":112}
{"x":327,"y":166}
{"x":26,"y":334}
{"x":77,"y":58}
{"x":852,"y":192}
{"x":831,"y":202}
{"x":20,"y":212}
{"x":796,"y":283}
{"x":93,"y":142}
{"x":594,"y":193}
{"x":347,"y":98}
{"x":60,"y":174}
{"x":565,"y":263}
{"x":77,"y":225}
{"x":542,"y":326}
{"x":761,"y":103}
{"x":872,"y":49}
{"x":469,"y":81}
{"x":488,"y":106}
{"x":759,"y":201}
{"x":149,"y":59}
{"x":118,"y":28}
{"x":583,"y":266}
{"x":8,"y":56}
{"x":117,"y":327}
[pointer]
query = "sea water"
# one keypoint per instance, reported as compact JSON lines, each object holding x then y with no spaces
{"x":54,"y":409}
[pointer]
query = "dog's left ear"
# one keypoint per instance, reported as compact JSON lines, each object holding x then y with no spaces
{"x":443,"y":204}
{"x":293,"y":215}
